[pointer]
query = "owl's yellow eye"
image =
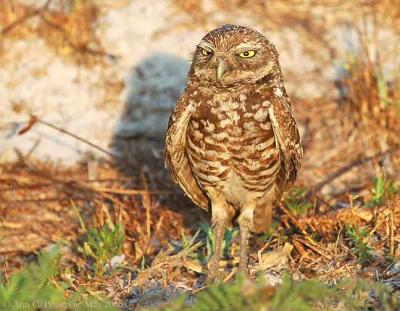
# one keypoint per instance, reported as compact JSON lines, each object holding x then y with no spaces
{"x":205,"y":52}
{"x":247,"y":54}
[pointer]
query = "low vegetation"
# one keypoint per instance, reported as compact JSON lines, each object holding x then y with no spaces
{"x":100,"y":272}
{"x":36,"y":287}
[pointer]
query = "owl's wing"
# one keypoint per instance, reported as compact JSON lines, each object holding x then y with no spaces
{"x":175,"y":155}
{"x":287,"y":135}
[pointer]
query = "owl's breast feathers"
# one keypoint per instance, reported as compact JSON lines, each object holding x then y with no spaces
{"x":212,"y":138}
{"x":231,"y":145}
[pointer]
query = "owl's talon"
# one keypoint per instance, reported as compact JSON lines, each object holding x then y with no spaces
{"x":213,"y":278}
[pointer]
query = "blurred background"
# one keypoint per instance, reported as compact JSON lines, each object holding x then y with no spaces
{"x":87,"y":86}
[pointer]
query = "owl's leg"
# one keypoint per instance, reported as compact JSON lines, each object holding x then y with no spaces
{"x":213,"y":272}
{"x":220,"y":219}
{"x":245,"y":223}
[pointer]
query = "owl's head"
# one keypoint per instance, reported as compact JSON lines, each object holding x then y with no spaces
{"x":231,"y":55}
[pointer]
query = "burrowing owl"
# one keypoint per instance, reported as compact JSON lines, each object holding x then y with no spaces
{"x":232,"y":143}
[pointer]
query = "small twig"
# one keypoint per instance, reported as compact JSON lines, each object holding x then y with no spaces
{"x":97,"y":189}
{"x":24,"y":18}
{"x":391,"y":229}
{"x":199,"y":289}
{"x":313,"y":248}
{"x":7,"y":281}
{"x":4,"y":177}
{"x":81,"y":222}
{"x":110,"y":154}
{"x":230,"y":274}
{"x":300,"y":249}
{"x":84,"y":49}
{"x":133,"y":191}
{"x":351,"y":165}
{"x":338,"y":238}
{"x":297,"y":224}
{"x":259,"y":252}
{"x":74,"y":185}
{"x":146,"y":200}
{"x":34,"y":120}
{"x":38,"y":201}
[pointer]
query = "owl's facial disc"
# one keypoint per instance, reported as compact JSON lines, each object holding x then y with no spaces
{"x":230,"y":56}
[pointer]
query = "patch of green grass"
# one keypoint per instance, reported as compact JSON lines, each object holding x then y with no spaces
{"x":360,"y":247}
{"x":102,"y":245}
{"x":229,"y":235}
{"x":271,"y":231}
{"x":290,"y":295}
{"x":383,"y":188}
{"x":32,"y":284}
{"x":368,"y":85}
{"x":34,"y":288}
{"x":296,"y":202}
{"x":302,"y":296}
{"x":187,"y":243}
{"x":378,"y":193}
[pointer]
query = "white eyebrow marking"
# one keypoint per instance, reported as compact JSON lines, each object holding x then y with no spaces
{"x":243,"y":46}
{"x":205,"y":45}
{"x":247,"y":46}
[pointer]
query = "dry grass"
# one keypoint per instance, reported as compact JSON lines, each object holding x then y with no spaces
{"x":68,"y":27}
{"x":42,"y":205}
{"x":373,"y":98}
{"x":305,"y":14}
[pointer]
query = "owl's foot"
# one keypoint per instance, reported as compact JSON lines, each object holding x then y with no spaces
{"x":214,"y":275}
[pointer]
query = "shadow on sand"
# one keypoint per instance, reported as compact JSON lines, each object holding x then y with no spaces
{"x":152,"y":88}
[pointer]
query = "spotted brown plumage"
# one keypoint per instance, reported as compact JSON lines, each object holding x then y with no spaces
{"x":232,"y":142}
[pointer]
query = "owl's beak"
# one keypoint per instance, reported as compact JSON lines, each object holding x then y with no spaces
{"x":221,"y":69}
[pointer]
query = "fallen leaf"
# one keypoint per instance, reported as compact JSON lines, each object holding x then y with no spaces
{"x":277,"y":257}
